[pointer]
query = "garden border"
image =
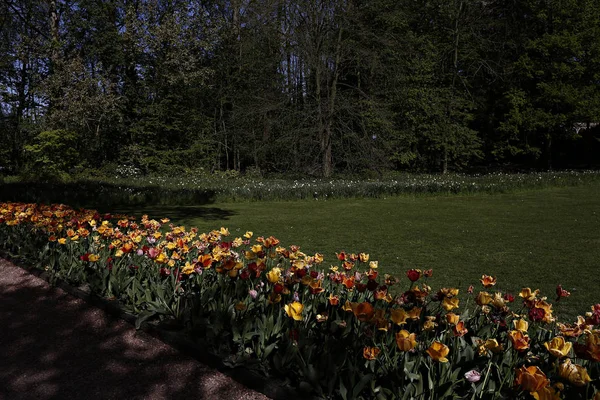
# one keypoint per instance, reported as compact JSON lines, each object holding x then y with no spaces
{"x":270,"y":387}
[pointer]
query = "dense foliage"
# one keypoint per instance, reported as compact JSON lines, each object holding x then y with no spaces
{"x":348,"y":331}
{"x":306,"y":87}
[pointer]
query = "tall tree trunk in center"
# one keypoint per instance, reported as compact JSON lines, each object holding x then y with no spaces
{"x":326,"y":145}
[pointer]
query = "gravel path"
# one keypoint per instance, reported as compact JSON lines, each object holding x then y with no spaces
{"x":55,"y":346}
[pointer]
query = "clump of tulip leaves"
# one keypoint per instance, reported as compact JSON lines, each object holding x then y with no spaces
{"x":338,"y":331}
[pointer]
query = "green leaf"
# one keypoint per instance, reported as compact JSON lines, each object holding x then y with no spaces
{"x":144,"y":316}
{"x":361,"y":385}
{"x":343,"y":391}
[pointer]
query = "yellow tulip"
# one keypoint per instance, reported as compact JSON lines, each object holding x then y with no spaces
{"x":93,"y":257}
{"x":483,"y":298}
{"x":248,"y":234}
{"x":429,"y":323}
{"x":405,"y":340}
{"x":294,"y":310}
{"x":187,"y":269}
{"x":521,"y":325}
{"x":450,"y":303}
{"x":414,"y":313}
{"x":398,"y":316}
{"x":498,"y":300}
{"x":348,"y":306}
{"x":452,"y":318}
{"x":558,"y":347}
{"x":527,"y":294}
{"x":438,"y":351}
{"x":491,"y":345}
{"x":274,"y":275}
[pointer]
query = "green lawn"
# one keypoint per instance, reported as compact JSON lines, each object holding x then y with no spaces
{"x":534,"y":238}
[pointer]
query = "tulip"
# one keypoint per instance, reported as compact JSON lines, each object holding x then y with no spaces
{"x":413,"y":274}
{"x":371,"y":353}
{"x":452,"y":318}
{"x":274,"y":275}
{"x":488,"y":281}
{"x":591,"y":349}
{"x":519,"y":340}
{"x":450,"y":303}
{"x":364,"y":311}
{"x":521,"y":325}
{"x":483,"y":298}
{"x":294,"y":310}
{"x":438,"y":352}
{"x":547,"y":393}
{"x":398,"y":316}
{"x":527,"y":294}
{"x":576,"y":374}
{"x":459,"y":330}
{"x":531,"y":379}
{"x":493,"y":346}
{"x":473,"y":376}
{"x":406,"y":341}
{"x":558,"y":347}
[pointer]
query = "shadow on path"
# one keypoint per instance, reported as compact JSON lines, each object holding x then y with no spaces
{"x":54,"y":346}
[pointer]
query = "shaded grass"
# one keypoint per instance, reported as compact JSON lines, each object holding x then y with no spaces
{"x":203,"y":188}
{"x":535,"y":238}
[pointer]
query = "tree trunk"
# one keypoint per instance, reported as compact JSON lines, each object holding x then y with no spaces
{"x":549,"y":152}
{"x":326,"y":145}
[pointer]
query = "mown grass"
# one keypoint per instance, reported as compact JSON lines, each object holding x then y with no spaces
{"x":536,"y":238}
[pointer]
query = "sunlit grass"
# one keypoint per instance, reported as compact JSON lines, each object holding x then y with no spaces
{"x":535,"y":238}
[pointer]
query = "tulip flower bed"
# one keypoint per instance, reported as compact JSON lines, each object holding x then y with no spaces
{"x":344,"y":331}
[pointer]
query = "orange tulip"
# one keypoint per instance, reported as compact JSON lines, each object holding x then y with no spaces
{"x":591,"y":349}
{"x":519,"y":340}
{"x":547,"y":393}
{"x":371,"y":353}
{"x":364,"y":311}
{"x":576,"y":374}
{"x":459,"y":329}
{"x":488,"y":281}
{"x":531,"y":379}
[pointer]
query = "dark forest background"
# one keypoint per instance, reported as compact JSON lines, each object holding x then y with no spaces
{"x":300,"y":87}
